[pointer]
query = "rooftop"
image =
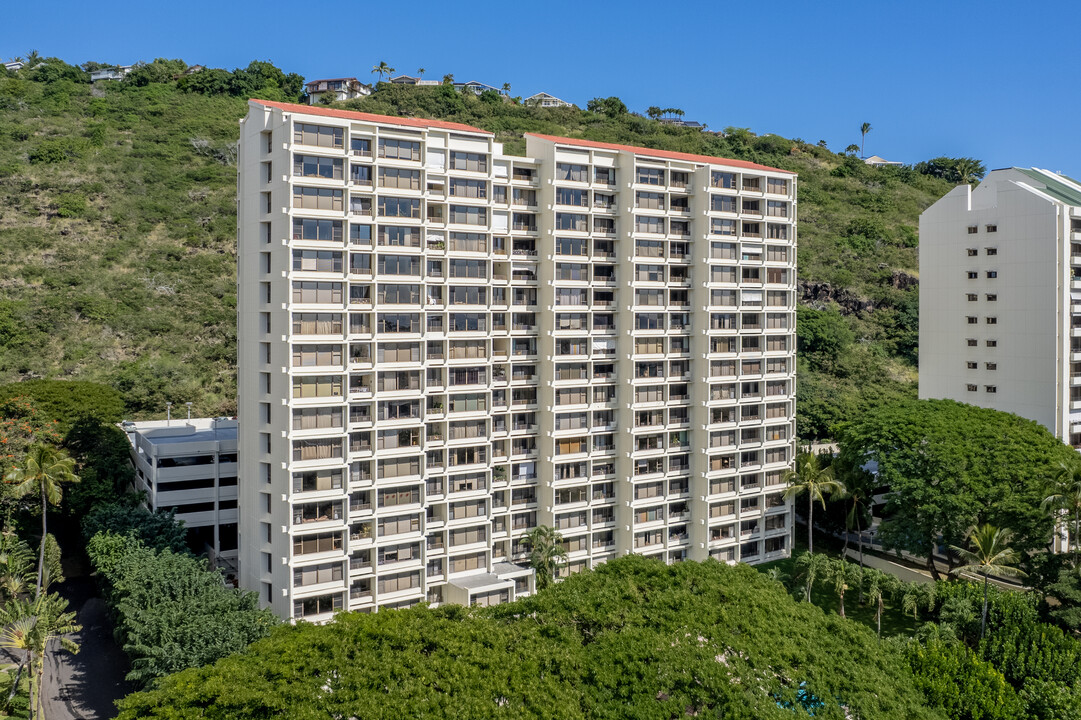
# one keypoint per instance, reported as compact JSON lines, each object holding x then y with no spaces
{"x":1060,"y":187}
{"x":661,"y":154}
{"x":167,"y":432}
{"x":369,"y":117}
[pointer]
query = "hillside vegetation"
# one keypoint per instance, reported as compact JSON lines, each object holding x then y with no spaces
{"x":117,"y":231}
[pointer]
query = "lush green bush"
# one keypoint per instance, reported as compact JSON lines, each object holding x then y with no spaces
{"x":965,"y":687}
{"x":171,"y":611}
{"x":159,"y":530}
{"x":632,"y":639}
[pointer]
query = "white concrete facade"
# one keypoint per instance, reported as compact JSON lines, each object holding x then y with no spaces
{"x":190,"y":466}
{"x":1000,"y":298}
{"x":442,"y":346}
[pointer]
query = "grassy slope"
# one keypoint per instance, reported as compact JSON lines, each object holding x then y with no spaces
{"x":137,"y":289}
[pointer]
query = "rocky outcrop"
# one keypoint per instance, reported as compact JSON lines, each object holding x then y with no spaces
{"x":820,"y":294}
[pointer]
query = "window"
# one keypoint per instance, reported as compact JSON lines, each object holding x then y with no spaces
{"x":972,"y":252}
{"x":990,"y":388}
{"x":468,"y":188}
{"x":992,"y":273}
{"x":310,"y":229}
{"x":971,"y":342}
{"x":971,"y":365}
{"x":319,"y":135}
{"x":991,"y":251}
{"x":399,"y":207}
{"x":991,"y":229}
{"x":399,"y":149}
{"x":649,"y":176}
{"x":316,"y":355}
{"x":466,"y":215}
{"x":471,"y":162}
{"x":971,"y":388}
{"x":310,"y":198}
{"x":571,"y":196}
{"x":321,"y":167}
{"x":992,"y":320}
{"x":992,"y":343}
{"x":575,"y":173}
{"x":972,"y":230}
{"x":972,"y":275}
{"x":972,"y":319}
{"x":991,"y":297}
{"x":397,"y":178}
{"x":648,"y":224}
{"x":317,"y":292}
{"x":972,"y":297}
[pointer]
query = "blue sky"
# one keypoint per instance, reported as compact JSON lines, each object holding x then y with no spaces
{"x":992,"y":80}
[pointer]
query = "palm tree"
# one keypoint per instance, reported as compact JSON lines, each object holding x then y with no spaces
{"x":879,"y":584}
{"x":1064,"y":498}
{"x":864,"y":129}
{"x":44,"y":471}
{"x":30,"y":628}
{"x":382,"y":69}
{"x":420,"y":72}
{"x":32,"y":59}
{"x":546,"y":553}
{"x":809,"y":567}
{"x":859,"y":489}
{"x":506,"y":88}
{"x":991,"y":554}
{"x":810,"y":477}
{"x":653,"y":112}
{"x":969,"y":169}
{"x":448,"y":79}
{"x":852,"y":149}
{"x":840,"y":572}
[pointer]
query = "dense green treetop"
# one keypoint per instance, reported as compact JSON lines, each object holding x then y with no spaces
{"x":950,"y":466}
{"x":632,"y":639}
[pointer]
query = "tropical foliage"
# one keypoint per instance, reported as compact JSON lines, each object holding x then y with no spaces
{"x":634,"y":638}
{"x":171,"y":611}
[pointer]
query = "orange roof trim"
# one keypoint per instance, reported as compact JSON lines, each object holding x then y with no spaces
{"x":665,"y":154}
{"x":370,"y":117}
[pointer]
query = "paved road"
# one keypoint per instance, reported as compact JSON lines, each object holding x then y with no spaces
{"x":85,"y":686}
{"x":902,"y":572}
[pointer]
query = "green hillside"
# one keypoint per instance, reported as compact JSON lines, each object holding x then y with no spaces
{"x":117,"y":231}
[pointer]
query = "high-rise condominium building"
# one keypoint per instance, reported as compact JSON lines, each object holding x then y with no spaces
{"x":1000,"y":297}
{"x":443,"y":346}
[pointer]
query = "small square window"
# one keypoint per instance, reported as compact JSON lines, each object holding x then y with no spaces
{"x":990,"y":388}
{"x":972,"y":275}
{"x":972,"y":365}
{"x":992,"y":251}
{"x":992,"y":228}
{"x":992,"y":273}
{"x":991,"y":366}
{"x":973,"y":229}
{"x":973,"y":252}
{"x":992,"y":297}
{"x":972,"y":320}
{"x":972,"y":342}
{"x":992,"y":343}
{"x":971,"y":388}
{"x":972,"y":297}
{"x":992,"y":320}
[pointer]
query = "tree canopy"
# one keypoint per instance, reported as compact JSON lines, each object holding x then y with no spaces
{"x":950,"y":466}
{"x":633,"y":638}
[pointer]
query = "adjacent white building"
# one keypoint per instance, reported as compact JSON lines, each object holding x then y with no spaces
{"x":442,"y":346}
{"x":1000,"y":297}
{"x":190,"y":466}
{"x":544,"y":100}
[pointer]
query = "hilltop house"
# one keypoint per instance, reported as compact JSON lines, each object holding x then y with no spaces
{"x":410,"y":80}
{"x":880,"y":162}
{"x":544,"y":100}
{"x":14,"y":65}
{"x":475,"y":87}
{"x":338,"y":88}
{"x":110,"y":73}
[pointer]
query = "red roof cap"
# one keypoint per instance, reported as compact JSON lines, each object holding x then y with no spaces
{"x":369,"y":117}
{"x":665,"y":154}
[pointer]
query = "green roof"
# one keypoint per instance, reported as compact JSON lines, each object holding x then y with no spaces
{"x":1057,"y":189}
